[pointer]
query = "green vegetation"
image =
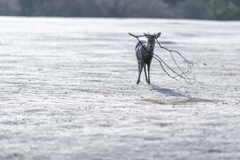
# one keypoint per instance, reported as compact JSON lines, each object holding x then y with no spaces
{"x":224,"y":9}
{"x":188,"y":9}
{"x":29,"y":7}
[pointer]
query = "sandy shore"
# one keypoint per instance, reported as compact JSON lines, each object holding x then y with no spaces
{"x":68,"y":90}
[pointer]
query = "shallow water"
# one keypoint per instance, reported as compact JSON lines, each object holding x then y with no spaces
{"x":68,"y":90}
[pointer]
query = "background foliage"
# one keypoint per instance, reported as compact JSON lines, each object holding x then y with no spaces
{"x":189,"y":9}
{"x":224,"y":9}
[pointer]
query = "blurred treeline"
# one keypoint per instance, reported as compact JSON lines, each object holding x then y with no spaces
{"x":188,"y":9}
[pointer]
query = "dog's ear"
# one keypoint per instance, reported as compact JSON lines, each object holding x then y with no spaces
{"x":158,"y":35}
